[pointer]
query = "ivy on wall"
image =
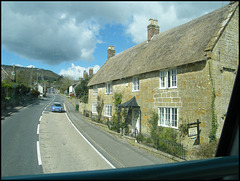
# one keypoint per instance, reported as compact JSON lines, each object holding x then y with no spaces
{"x":212,"y":135}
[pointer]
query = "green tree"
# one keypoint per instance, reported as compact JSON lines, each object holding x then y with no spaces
{"x":100,"y":104}
{"x":82,"y":90}
{"x":64,"y":82}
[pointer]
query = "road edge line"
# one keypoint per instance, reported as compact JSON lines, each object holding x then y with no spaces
{"x":38,"y":154}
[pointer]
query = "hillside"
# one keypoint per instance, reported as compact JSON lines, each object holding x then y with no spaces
{"x":26,"y":75}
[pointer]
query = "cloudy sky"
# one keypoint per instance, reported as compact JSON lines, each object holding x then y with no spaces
{"x":70,"y":37}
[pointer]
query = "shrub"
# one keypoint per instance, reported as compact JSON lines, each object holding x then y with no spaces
{"x":164,"y":138}
{"x":35,"y":93}
{"x":149,"y":140}
{"x":140,"y":137}
{"x":207,"y":150}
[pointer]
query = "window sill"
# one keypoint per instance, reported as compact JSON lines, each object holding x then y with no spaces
{"x":107,"y":116}
{"x":167,"y":88}
{"x":167,"y":126}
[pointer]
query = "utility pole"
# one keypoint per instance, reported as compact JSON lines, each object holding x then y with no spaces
{"x":30,"y":84}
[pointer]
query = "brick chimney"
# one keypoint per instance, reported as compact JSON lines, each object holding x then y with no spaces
{"x":90,"y":71}
{"x":153,"y":28}
{"x":85,"y":74}
{"x":110,"y":52}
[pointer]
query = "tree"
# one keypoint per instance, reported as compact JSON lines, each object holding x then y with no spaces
{"x":82,"y":90}
{"x":100,"y":104}
{"x":63,"y":83}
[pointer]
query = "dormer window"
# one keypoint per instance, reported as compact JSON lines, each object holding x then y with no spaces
{"x":135,"y":86}
{"x":168,"y":79}
{"x":95,"y":90}
{"x":108,"y":88}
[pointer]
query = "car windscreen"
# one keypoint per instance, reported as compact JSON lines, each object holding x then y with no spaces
{"x":57,"y":105}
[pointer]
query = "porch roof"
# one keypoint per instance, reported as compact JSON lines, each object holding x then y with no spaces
{"x":132,"y":103}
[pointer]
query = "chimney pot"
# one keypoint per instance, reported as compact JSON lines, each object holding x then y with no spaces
{"x":85,"y":74}
{"x":90,"y":71}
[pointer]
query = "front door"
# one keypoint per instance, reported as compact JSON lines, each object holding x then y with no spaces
{"x":135,"y":121}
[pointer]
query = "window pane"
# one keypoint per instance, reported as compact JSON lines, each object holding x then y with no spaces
{"x":169,"y":79}
{"x":106,"y":88}
{"x":105,"y":110}
{"x":174,"y":117}
{"x":174,"y":78}
{"x":110,"y":88}
{"x":161,"y":116}
{"x":162,"y":79}
{"x":167,"y":117}
{"x":134,"y":84}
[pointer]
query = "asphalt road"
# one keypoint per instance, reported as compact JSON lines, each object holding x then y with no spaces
{"x":118,"y":152}
{"x":64,"y":149}
{"x":35,"y":141}
{"x":19,"y":141}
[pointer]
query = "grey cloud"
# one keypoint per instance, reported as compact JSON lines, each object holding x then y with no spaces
{"x":33,"y":31}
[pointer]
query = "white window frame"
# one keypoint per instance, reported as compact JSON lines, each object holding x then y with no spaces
{"x":167,"y":78}
{"x":108,"y":110}
{"x":95,"y":90}
{"x":168,"y":117}
{"x":108,"y":88}
{"x":135,"y":84}
{"x":94,"y":107}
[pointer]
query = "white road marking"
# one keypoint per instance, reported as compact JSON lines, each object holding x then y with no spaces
{"x":38,"y":154}
{"x":64,"y":107}
{"x":89,"y":142}
{"x":38,"y":129}
{"x":40,"y":118}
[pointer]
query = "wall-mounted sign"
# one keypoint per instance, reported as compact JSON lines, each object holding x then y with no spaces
{"x":192,"y":131}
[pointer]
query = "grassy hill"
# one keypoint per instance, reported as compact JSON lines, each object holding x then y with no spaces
{"x":28,"y":76}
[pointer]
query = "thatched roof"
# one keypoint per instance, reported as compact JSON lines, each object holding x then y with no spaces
{"x":184,"y":44}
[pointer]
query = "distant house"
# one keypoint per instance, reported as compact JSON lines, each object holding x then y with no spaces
{"x":183,"y":74}
{"x":71,"y":90}
{"x":40,"y":89}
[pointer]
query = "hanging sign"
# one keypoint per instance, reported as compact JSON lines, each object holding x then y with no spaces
{"x":192,"y":131}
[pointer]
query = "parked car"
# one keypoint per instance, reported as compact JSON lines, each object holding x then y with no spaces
{"x":57,"y":107}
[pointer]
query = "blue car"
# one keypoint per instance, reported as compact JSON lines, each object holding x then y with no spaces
{"x":57,"y":107}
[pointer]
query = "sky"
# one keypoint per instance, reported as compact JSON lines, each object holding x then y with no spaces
{"x":68,"y":37}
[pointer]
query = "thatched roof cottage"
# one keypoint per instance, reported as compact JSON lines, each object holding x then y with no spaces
{"x":175,"y":73}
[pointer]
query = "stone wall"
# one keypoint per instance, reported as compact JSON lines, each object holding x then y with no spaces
{"x":224,"y":61}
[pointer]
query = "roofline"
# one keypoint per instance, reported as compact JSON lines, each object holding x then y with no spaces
{"x":223,"y":26}
{"x":89,"y":85}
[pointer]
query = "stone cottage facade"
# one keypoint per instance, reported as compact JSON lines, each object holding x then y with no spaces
{"x":183,"y":74}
